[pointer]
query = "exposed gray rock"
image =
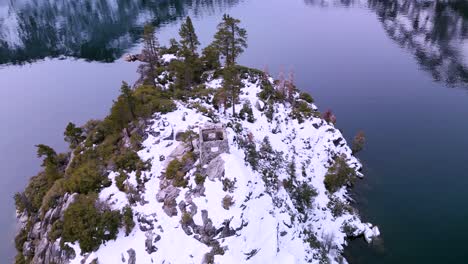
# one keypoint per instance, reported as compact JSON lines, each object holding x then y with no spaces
{"x":167,"y":196}
{"x":146,"y":222}
{"x":178,"y":152}
{"x":131,"y":256}
{"x":168,"y":193}
{"x":215,"y":169}
{"x":149,"y":242}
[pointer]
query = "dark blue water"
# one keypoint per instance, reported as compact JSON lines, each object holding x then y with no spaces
{"x":395,"y":69}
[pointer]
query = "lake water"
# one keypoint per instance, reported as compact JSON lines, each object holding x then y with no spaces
{"x":395,"y":69}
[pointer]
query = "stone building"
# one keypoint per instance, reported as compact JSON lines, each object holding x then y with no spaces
{"x":213,"y":141}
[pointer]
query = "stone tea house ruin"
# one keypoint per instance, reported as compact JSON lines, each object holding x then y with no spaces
{"x":213,"y":141}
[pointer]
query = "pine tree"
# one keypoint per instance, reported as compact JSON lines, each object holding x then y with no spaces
{"x":127,"y":95}
{"x":210,"y":58}
{"x":232,"y":84}
{"x":149,"y":56}
{"x":189,"y":39}
{"x":50,"y":162}
{"x":230,"y":39}
{"x":48,"y":153}
{"x":73,"y":135}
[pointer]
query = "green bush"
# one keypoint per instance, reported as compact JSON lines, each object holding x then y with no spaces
{"x":53,"y":194}
{"x":338,"y":208}
{"x":199,"y":179}
{"x":269,"y":112}
{"x":86,"y":178}
{"x":306,"y":97}
{"x":20,"y":201}
{"x":173,"y":168}
{"x":119,"y":181}
{"x":128,"y":160}
{"x":36,"y":190}
{"x":128,"y":222}
{"x":88,"y":224}
{"x":149,"y":101}
{"x":338,"y":175}
{"x":20,"y":259}
{"x":186,"y":218}
{"x":247,"y":113}
{"x":56,"y":230}
{"x":20,"y":238}
{"x":301,"y":111}
{"x":174,"y":172}
{"x":303,"y":195}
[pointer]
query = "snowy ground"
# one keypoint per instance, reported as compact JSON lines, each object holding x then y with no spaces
{"x":273,"y":233}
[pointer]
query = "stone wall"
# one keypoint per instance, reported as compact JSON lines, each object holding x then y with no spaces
{"x":213,"y":141}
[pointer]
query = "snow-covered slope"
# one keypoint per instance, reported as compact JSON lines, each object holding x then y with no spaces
{"x":264,"y":224}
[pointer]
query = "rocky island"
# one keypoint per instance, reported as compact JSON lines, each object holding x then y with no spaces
{"x":199,"y":162}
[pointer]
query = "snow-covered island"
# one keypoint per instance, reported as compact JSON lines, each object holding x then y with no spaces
{"x":196,"y":178}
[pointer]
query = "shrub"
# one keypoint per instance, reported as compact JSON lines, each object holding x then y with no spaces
{"x":20,"y":201}
{"x":311,"y":239}
{"x":53,"y":194}
{"x":186,"y":218}
{"x":306,"y":97}
{"x":149,"y":101}
{"x":56,"y":230}
{"x":303,"y":195}
{"x":199,"y":179}
{"x":173,"y":169}
{"x":269,"y":112}
{"x":186,"y":137}
{"x":247,"y":113}
{"x":86,"y":178}
{"x":35,"y":192}
{"x":251,"y":154}
{"x":358,"y":142}
{"x":128,"y":160}
{"x":128,"y":223}
{"x":227,"y":202}
{"x":338,"y":175}
{"x":174,"y":172}
{"x":329,"y":117}
{"x":229,"y":185}
{"x":20,"y":259}
{"x":20,"y":238}
{"x":348,"y":229}
{"x":301,"y":111}
{"x":120,"y":179}
{"x":337,"y":207}
{"x":89,"y":224}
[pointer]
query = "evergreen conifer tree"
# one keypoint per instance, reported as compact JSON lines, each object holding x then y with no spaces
{"x":73,"y":135}
{"x":232,"y":84}
{"x":230,"y":39}
{"x":149,"y":56}
{"x":189,"y":39}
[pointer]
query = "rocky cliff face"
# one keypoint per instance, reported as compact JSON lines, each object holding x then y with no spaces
{"x":265,"y":201}
{"x":38,"y":245}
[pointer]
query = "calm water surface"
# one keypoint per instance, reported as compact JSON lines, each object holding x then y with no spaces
{"x":395,"y":69}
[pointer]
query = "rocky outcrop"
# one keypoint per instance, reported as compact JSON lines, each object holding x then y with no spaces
{"x":38,"y":245}
{"x":215,"y":169}
{"x":168,"y":196}
{"x":131,"y":256}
